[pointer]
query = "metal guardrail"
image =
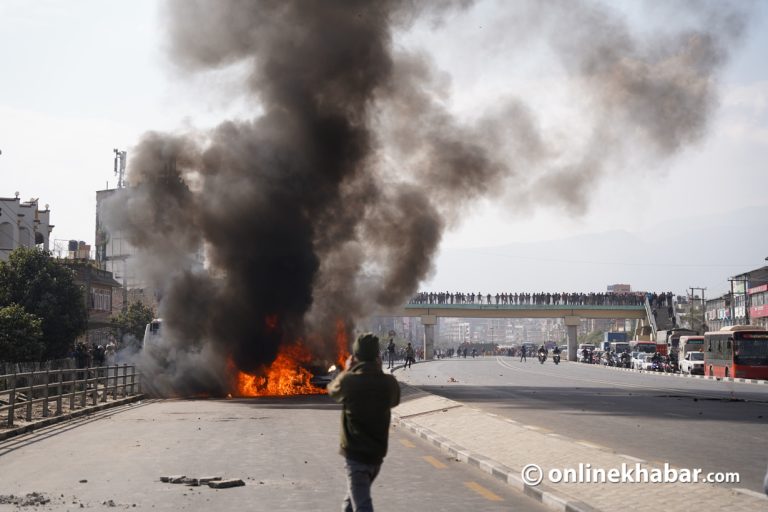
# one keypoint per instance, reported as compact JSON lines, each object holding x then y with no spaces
{"x":36,"y":389}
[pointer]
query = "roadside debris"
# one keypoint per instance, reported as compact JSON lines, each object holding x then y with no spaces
{"x":32,"y":499}
{"x":224,"y":484}
{"x":452,"y":380}
{"x":215,"y":482}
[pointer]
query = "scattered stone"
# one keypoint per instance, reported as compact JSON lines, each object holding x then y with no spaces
{"x":225,"y":484}
{"x":109,"y":503}
{"x":83,"y":481}
{"x":173,"y":479}
{"x":195,"y":482}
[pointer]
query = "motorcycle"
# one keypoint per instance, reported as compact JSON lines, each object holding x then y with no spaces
{"x":625,"y":361}
{"x":542,"y":358}
{"x":556,"y":358}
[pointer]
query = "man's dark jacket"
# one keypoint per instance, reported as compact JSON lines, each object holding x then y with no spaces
{"x":367,"y":394}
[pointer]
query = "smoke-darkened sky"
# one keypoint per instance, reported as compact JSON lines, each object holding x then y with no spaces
{"x":57,"y":135}
{"x":329,"y":200}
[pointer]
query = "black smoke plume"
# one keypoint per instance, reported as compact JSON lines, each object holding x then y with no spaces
{"x":329,"y":203}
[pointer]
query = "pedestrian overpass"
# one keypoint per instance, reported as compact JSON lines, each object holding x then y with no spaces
{"x":572,"y":314}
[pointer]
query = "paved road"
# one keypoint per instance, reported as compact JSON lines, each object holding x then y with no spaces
{"x":717,"y":426}
{"x":284,"y":449}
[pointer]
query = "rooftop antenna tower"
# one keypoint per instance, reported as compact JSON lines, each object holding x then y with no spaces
{"x":120,"y":157}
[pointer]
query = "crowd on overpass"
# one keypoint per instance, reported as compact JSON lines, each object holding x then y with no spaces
{"x":543,"y":299}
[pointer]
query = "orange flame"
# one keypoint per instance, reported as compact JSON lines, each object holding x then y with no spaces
{"x":342,"y":344}
{"x":285,"y":376}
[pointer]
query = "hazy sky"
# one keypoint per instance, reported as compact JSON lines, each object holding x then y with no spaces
{"x":81,"y":77}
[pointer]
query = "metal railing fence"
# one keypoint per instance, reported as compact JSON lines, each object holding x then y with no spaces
{"x":37,"y":392}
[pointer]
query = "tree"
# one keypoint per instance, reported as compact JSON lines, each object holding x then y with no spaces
{"x":21,"y":335}
{"x":133,"y":320}
{"x":33,"y":280}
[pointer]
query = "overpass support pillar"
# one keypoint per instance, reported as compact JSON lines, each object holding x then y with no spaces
{"x":572,"y":323}
{"x":429,"y":322}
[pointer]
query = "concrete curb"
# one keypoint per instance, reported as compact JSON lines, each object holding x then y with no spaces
{"x":7,"y":434}
{"x":705,"y":377}
{"x":499,"y":471}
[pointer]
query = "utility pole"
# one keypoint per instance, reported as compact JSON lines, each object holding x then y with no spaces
{"x":703,"y":309}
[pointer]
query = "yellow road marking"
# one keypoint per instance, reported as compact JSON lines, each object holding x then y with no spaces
{"x":436,"y":463}
{"x":482,"y":491}
{"x":407,"y":443}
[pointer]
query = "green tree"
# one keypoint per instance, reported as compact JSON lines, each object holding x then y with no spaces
{"x":133,"y":320}
{"x":21,"y":335}
{"x":595,"y":337}
{"x":42,"y":287}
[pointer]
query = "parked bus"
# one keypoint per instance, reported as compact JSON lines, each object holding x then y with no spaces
{"x":739,"y":351}
{"x":691,"y":344}
{"x":152,"y":333}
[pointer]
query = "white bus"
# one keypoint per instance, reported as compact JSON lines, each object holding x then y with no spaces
{"x":152,"y":333}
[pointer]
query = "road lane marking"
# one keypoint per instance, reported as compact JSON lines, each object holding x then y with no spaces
{"x":538,"y":429}
{"x":436,"y":463}
{"x":591,"y":445}
{"x":482,"y":491}
{"x":633,"y":459}
{"x":752,"y":493}
{"x":407,"y":443}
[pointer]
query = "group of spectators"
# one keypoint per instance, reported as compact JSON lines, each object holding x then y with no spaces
{"x":88,"y":355}
{"x":544,"y":299}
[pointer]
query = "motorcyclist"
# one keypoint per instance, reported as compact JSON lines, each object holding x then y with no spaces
{"x":543,"y":351}
{"x":625,"y":358}
{"x":556,"y":351}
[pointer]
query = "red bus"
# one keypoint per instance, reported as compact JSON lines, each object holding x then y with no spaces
{"x":739,"y":351}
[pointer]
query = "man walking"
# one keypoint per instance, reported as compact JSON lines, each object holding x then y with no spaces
{"x":391,"y":353}
{"x":522,"y":354}
{"x":409,"y":355}
{"x":367,"y":395}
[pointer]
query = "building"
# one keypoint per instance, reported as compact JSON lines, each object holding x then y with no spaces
{"x":115,"y":255}
{"x":717,"y":312}
{"x":758,"y":305}
{"x":98,"y":290}
{"x":619,"y":288}
{"x":745,"y":304}
{"x":751,"y":293}
{"x":23,"y":224}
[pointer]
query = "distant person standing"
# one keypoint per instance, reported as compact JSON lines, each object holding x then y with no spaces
{"x":409,"y":355}
{"x":522,"y":355}
{"x":391,"y":353}
{"x":367,"y":395}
